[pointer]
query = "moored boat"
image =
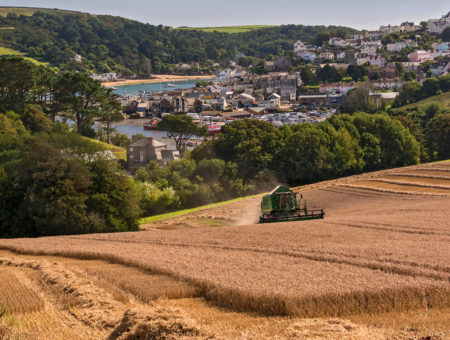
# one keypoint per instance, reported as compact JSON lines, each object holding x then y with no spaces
{"x":151,"y":125}
{"x":214,"y":129}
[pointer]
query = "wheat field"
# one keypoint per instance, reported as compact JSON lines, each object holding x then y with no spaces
{"x":380,"y":258}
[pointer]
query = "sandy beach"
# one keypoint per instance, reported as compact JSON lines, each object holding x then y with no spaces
{"x":157,"y":78}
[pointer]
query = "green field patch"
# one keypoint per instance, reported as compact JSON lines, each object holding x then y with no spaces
{"x":29,"y":11}
{"x":227,"y":29}
{"x":120,"y":153}
{"x":9,"y":51}
{"x":17,"y":10}
{"x":211,"y":222}
{"x":166,"y":216}
{"x":443,"y":99}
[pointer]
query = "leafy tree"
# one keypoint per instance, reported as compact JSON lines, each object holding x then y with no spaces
{"x":359,"y":99}
{"x":44,"y":88}
{"x":400,"y":69}
{"x":409,"y":93}
{"x":430,"y":87}
{"x":444,"y":83}
{"x":259,"y":68}
{"x":445,"y":35}
{"x":307,"y":76}
{"x":110,"y":112}
{"x":251,"y":144}
{"x":321,"y":38}
{"x":438,"y":136}
{"x":305,"y":157}
{"x":329,"y":74}
{"x":113,"y":201}
{"x":354,"y":72}
{"x":155,"y":201}
{"x":120,"y":139}
{"x":181,"y":128}
{"x":80,"y":97}
{"x":409,"y":76}
{"x":35,"y":120}
{"x":51,"y":193}
{"x":16,"y":83}
{"x":375,"y":76}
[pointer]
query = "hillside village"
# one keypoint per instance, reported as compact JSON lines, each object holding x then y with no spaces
{"x":305,"y":85}
{"x":387,"y":57}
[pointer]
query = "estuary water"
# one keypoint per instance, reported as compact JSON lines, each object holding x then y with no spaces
{"x":136,"y":89}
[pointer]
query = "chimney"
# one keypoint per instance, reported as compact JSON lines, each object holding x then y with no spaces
{"x":150,"y":140}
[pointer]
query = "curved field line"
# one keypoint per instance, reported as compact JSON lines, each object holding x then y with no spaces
{"x":395,"y":191}
{"x":415,"y":184}
{"x":408,"y":174}
{"x":321,"y":257}
{"x":361,"y":301}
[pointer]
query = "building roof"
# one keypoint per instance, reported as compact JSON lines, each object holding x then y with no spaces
{"x":236,"y":114}
{"x":247,"y":96}
{"x":147,"y":141}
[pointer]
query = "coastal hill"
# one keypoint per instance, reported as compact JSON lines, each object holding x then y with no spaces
{"x":114,"y":44}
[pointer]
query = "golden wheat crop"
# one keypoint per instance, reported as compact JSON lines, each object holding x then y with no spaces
{"x":16,"y":296}
{"x":382,"y":247}
{"x":145,"y":287}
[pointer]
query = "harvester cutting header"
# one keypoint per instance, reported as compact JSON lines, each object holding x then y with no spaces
{"x":282,"y":205}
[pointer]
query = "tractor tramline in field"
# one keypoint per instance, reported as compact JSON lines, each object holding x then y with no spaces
{"x":282,"y":205}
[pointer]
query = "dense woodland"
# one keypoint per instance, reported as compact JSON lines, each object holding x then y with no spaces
{"x":115,"y":44}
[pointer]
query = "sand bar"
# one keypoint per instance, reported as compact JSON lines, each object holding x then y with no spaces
{"x":157,"y":78}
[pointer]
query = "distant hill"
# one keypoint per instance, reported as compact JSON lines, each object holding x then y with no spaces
{"x":114,"y":44}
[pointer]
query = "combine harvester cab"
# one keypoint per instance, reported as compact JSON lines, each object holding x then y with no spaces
{"x":282,"y":205}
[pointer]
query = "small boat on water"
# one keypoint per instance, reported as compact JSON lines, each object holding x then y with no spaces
{"x":214,"y":129}
{"x":170,"y":85}
{"x":151,"y":125}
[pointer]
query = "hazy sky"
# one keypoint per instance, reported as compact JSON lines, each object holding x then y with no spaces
{"x":361,"y":14}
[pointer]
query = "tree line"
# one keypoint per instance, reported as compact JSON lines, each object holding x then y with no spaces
{"x":67,"y":95}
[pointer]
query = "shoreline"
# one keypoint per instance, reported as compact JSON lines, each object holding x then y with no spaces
{"x":157,"y":78}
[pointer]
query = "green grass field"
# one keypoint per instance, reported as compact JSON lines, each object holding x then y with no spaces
{"x":17,"y":10}
{"x":166,"y":216}
{"x":443,"y":99}
{"x":8,"y":51}
{"x":227,"y":29}
{"x":28,"y":11}
{"x":120,"y":153}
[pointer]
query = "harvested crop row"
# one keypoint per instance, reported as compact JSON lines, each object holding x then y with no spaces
{"x":276,"y":284}
{"x":423,"y":182}
{"x":421,"y":174}
{"x":398,"y":188}
{"x":16,"y":296}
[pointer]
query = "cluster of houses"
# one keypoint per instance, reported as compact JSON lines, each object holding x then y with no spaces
{"x":368,"y":48}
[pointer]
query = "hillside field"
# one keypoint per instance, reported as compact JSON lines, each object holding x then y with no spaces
{"x":227,"y":29}
{"x":7,"y":51}
{"x":377,"y":267}
{"x":442,"y":99}
{"x":27,"y":11}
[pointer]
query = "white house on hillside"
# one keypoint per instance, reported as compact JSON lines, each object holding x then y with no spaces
{"x":437,"y":26}
{"x":399,"y":45}
{"x":370,"y":47}
{"x":299,"y":47}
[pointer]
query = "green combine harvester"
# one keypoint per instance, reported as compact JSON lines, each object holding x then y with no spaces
{"x":282,"y":205}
